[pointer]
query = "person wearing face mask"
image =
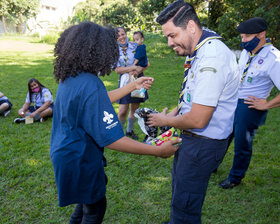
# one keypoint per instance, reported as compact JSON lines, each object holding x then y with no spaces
{"x":259,"y":66}
{"x":42,"y":100}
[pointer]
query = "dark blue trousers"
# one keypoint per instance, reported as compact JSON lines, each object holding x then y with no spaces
{"x":246,"y":123}
{"x":193,"y":164}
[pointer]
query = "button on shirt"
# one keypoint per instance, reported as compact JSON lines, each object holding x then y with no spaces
{"x":36,"y":98}
{"x":263,"y":73}
{"x":213,"y":81}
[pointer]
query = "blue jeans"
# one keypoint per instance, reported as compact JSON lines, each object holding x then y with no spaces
{"x":246,"y":124}
{"x":193,"y":164}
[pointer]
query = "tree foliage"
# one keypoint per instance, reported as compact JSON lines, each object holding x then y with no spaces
{"x":18,"y":11}
{"x":223,"y":16}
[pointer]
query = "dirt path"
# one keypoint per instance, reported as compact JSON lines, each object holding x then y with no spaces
{"x":22,"y":45}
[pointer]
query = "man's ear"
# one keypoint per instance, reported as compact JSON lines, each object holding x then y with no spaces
{"x":261,"y":35}
{"x":191,"y":26}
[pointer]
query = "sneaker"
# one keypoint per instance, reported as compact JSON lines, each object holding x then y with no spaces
{"x":6,"y":113}
{"x":132,"y":135}
{"x":19,"y":120}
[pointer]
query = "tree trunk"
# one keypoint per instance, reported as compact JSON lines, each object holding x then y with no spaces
{"x":4,"y":23}
{"x":19,"y":26}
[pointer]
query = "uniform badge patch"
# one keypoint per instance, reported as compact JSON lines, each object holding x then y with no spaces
{"x":188,"y":97}
{"x":260,"y":61}
{"x":249,"y":79}
{"x":209,"y":69}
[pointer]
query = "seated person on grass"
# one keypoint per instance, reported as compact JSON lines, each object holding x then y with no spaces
{"x":42,"y":100}
{"x":5,"y":105}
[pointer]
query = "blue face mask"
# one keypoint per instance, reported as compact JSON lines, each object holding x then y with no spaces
{"x":250,"y":45}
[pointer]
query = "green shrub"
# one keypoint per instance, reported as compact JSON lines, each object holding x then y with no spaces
{"x":50,"y":38}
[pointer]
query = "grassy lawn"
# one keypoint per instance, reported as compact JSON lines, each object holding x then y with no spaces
{"x":139,"y":188}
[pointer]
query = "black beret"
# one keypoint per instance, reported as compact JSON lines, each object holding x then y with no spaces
{"x":253,"y":25}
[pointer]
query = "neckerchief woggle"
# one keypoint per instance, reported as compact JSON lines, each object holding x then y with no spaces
{"x":251,"y":56}
{"x":206,"y":35}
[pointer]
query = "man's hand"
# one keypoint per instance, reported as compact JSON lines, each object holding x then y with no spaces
{"x":256,"y":103}
{"x":158,"y":120}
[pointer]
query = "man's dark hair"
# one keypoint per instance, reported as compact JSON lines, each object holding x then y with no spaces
{"x":86,"y":47}
{"x":180,"y":12}
{"x":138,"y":32}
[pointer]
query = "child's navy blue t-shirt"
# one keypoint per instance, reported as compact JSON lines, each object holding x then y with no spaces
{"x":84,"y":122}
{"x":141,"y":55}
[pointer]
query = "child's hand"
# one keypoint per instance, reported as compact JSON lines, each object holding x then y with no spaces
{"x":168,"y":148}
{"x":145,"y":82}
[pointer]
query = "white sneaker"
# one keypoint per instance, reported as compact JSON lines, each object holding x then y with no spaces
{"x":6,"y":113}
{"x":19,"y":120}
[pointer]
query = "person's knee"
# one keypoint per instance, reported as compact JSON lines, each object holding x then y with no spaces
{"x":4,"y":106}
{"x":123,"y":110}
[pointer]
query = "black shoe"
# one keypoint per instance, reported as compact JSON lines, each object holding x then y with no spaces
{"x":132,"y":135}
{"x":165,"y":223}
{"x":19,"y":120}
{"x":226,"y":184}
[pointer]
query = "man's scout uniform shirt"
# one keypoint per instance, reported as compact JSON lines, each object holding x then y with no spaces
{"x":213,"y":81}
{"x":263,"y":73}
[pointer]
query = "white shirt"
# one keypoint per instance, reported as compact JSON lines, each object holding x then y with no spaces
{"x":36,"y":98}
{"x":263,"y":73}
{"x":213,"y":80}
{"x":3,"y":97}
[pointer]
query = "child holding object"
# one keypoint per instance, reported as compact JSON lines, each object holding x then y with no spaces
{"x":84,"y":120}
{"x":42,"y":100}
{"x":140,"y":60}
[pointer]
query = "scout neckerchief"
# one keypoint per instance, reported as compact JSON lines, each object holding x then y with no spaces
{"x":206,"y":35}
{"x":124,"y":51}
{"x":251,"y":56}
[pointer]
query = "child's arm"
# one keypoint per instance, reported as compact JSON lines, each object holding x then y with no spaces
{"x":128,"y":145}
{"x":1,"y":94}
{"x":116,"y":94}
{"x":136,"y":61}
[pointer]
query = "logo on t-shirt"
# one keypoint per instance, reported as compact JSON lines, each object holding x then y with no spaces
{"x":108,"y":117}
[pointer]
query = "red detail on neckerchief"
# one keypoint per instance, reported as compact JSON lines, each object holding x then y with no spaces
{"x":187,"y":65}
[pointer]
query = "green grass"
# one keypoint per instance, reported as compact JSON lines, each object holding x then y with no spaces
{"x":139,"y":189}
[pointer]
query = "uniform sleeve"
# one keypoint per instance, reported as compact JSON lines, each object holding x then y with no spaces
{"x":47,"y":95}
{"x":274,"y":73}
{"x":210,"y":83}
{"x":100,"y":119}
{"x":27,"y":100}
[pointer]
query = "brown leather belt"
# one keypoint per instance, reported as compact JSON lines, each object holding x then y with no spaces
{"x":185,"y":132}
